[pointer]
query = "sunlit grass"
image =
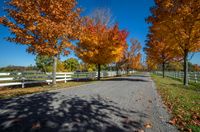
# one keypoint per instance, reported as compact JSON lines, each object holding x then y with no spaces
{"x":183,"y":102}
{"x":13,"y":92}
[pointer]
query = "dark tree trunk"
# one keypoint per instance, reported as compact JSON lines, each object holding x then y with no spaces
{"x":54,"y":70}
{"x":99,"y":72}
{"x":163,"y":69}
{"x":117,"y":69}
{"x":127,"y":70}
{"x":185,"y":79}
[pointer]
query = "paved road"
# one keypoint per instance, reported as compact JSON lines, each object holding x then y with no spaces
{"x":123,"y":104}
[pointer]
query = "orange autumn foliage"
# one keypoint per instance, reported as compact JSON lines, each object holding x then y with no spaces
{"x":45,"y":26}
{"x":151,"y":65}
{"x":196,"y":67}
{"x":135,"y":55}
{"x":131,"y":57}
{"x":160,"y":52}
{"x":179,"y":20}
{"x":136,"y":62}
{"x":100,"y":44}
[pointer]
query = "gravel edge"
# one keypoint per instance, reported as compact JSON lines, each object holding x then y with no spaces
{"x":160,"y":112}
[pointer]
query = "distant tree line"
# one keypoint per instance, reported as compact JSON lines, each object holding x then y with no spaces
{"x":13,"y":68}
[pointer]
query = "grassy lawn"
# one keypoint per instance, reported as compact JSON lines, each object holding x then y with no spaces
{"x":13,"y":92}
{"x":182,"y":102}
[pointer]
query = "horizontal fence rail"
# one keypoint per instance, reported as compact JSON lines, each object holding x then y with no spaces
{"x":192,"y":76}
{"x":23,"y":78}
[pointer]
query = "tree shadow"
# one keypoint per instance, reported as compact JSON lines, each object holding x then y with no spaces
{"x":127,"y":79}
{"x":141,"y":76}
{"x":47,"y":112}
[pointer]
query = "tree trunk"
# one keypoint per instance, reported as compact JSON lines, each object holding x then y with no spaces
{"x":185,"y":79}
{"x":117,"y":69}
{"x":54,"y":70}
{"x":127,"y":70}
{"x":163,"y":69}
{"x":99,"y":72}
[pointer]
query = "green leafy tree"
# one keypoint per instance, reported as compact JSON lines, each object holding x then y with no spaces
{"x":87,"y":67}
{"x":71,"y":64}
{"x":44,"y":64}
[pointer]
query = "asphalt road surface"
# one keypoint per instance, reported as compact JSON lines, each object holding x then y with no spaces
{"x":124,"y":104}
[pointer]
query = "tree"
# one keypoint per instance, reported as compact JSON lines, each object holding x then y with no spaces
{"x":136,"y":62}
{"x":179,"y":20}
{"x":103,"y":16}
{"x":159,"y":49}
{"x":12,"y":68}
{"x":120,"y":64}
{"x":134,"y":55}
{"x":131,"y":56}
{"x":150,"y":64}
{"x":87,"y":67}
{"x":45,"y":26}
{"x":44,"y":63}
{"x":71,"y":64}
{"x":196,"y":67}
{"x":101,"y":45}
{"x":175,"y":66}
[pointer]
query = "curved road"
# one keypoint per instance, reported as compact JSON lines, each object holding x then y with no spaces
{"x":124,"y":104}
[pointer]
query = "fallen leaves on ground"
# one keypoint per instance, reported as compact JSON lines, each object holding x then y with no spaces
{"x":182,"y":103}
{"x":148,"y":125}
{"x":173,"y":121}
{"x":141,"y":130}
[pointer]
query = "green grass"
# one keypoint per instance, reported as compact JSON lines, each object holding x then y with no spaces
{"x":13,"y":92}
{"x":183,"y":102}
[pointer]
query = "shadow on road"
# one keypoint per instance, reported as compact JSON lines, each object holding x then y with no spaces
{"x":140,"y":75}
{"x":47,"y":113}
{"x":127,"y":79}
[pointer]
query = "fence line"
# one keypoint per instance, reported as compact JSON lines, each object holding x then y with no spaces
{"x":23,"y":78}
{"x":192,"y":76}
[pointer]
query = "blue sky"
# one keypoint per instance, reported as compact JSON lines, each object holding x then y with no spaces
{"x":129,"y":14}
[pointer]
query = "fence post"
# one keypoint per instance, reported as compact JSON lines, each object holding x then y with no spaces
{"x":195,"y":77}
{"x":65,"y":77}
{"x":23,"y":82}
{"x":77,"y":76}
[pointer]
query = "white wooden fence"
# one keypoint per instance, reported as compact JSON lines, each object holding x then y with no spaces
{"x":23,"y":78}
{"x":192,"y":76}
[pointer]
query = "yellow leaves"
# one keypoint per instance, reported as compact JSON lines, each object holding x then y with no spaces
{"x":43,"y":25}
{"x":168,"y":3}
{"x":148,"y":125}
{"x":136,"y":62}
{"x":32,"y":27}
{"x":177,"y":22}
{"x":133,"y":56}
{"x":100,"y":44}
{"x":185,"y":10}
